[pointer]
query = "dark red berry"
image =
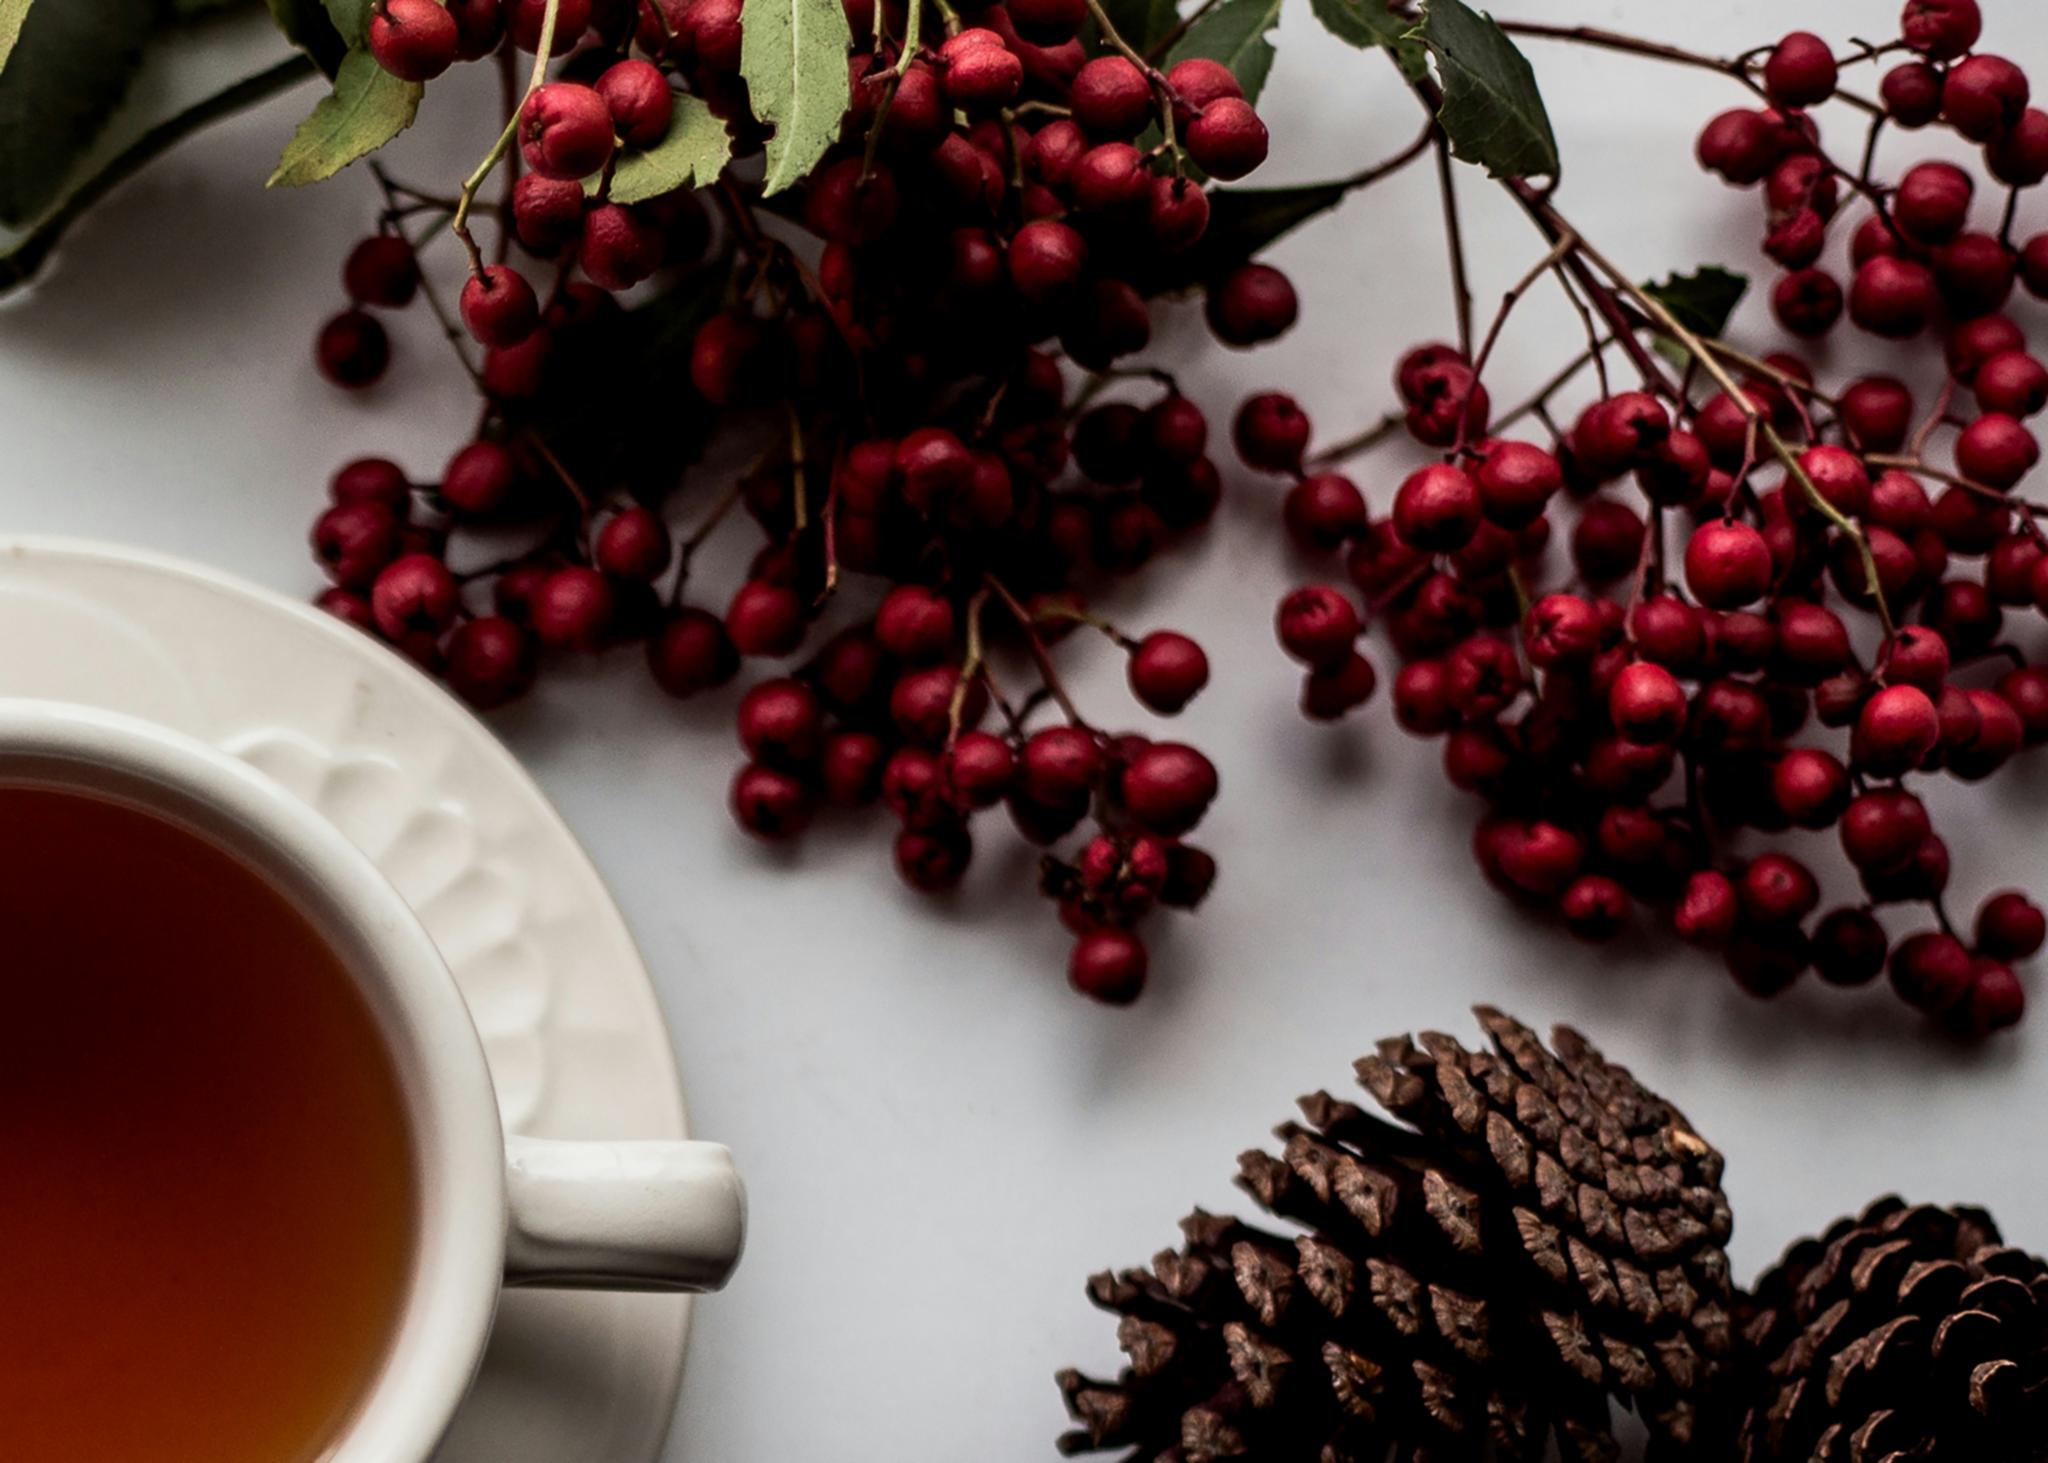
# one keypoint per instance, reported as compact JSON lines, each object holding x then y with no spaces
{"x":352,"y":349}
{"x":1167,"y":787}
{"x":773,"y":806}
{"x":1108,"y":965}
{"x":499,"y":306}
{"x":573,"y":609}
{"x":1167,"y":670}
{"x":414,"y":40}
{"x":489,"y":662}
{"x":691,"y":652}
{"x":565,"y":130}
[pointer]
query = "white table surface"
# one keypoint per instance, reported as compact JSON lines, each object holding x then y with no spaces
{"x":940,"y":1140}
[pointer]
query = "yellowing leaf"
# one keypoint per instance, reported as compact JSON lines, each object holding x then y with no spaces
{"x":12,"y":14}
{"x":367,"y":108}
{"x":793,"y":57}
{"x":692,"y":154}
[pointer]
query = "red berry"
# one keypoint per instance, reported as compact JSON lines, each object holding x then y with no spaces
{"x":573,"y":609}
{"x":1707,"y":911}
{"x":1996,"y":450}
{"x":915,"y":625}
{"x":354,"y":541}
{"x":1047,"y":22}
{"x":1111,"y":98}
{"x":765,"y":619}
{"x":1061,"y":766}
{"x":934,"y":860}
{"x":1271,"y":432}
{"x":1941,"y":29}
{"x":1516,"y":482}
{"x":1983,"y":96}
{"x":1562,"y":632}
{"x":617,"y":246}
{"x":781,"y":723}
{"x":414,"y":595}
{"x":1931,"y":971}
{"x":1330,"y":692}
{"x":1800,"y":71}
{"x":2010,"y":926}
{"x":1777,"y":889}
{"x":1727,"y":565}
{"x":1895,"y":731}
{"x":1740,"y":145}
{"x":1318,"y":625}
{"x":1228,"y":140}
{"x":1932,"y":202}
{"x":1877,"y":411}
{"x":1254,"y":303}
{"x":1045,"y":260}
{"x":637,"y":96}
{"x":980,"y":769}
{"x":771,"y":805}
{"x":1849,"y":947}
{"x":633,"y":544}
{"x":1167,"y":670}
{"x":921,"y":703}
{"x":1594,"y":908}
{"x":2020,"y":157}
{"x":1892,"y":297}
{"x":1324,"y":510}
{"x":414,"y":40}
{"x":565,"y":130}
{"x":1647,"y":704}
{"x":1881,"y":831}
{"x":1811,"y":787}
{"x":381,"y":270}
{"x":980,"y":72}
{"x":1108,"y":965}
{"x":1996,"y":999}
{"x":850,"y":768}
{"x":1167,"y":787}
{"x":2012,"y":383}
{"x":499,"y":306}
{"x":479,"y":479}
{"x":1436,"y":509}
{"x":1911,"y":93}
{"x":489,"y":662}
{"x":1807,"y":302}
{"x":691,"y":652}
{"x":352,"y":349}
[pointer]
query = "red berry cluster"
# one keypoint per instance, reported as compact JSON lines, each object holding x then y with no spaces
{"x":1632,"y":729}
{"x":998,"y":204}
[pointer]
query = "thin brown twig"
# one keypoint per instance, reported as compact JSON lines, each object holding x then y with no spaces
{"x":1454,"y":238}
{"x":1048,"y":674}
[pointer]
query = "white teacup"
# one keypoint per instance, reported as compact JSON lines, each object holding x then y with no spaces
{"x":494,"y":1209}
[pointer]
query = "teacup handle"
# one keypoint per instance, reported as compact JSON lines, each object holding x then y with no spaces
{"x":622,"y":1216}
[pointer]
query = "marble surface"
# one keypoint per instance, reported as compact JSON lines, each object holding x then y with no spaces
{"x":940,"y":1141}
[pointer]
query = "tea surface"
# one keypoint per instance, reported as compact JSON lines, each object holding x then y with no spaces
{"x":207,"y":1199}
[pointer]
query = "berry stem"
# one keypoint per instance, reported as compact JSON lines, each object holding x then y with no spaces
{"x":1534,"y":404}
{"x":1047,"y":673}
{"x":503,"y":145}
{"x":1454,"y":239}
{"x":1913,"y":464}
{"x":970,"y":666}
{"x":1360,"y":442}
{"x":1520,"y":287}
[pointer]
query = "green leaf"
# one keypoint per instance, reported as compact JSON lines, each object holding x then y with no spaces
{"x":1369,"y":23}
{"x":351,"y":18}
{"x":12,"y":14}
{"x":69,"y":70}
{"x":32,"y":251}
{"x":1491,"y":111}
{"x":305,"y":24}
{"x":1243,"y":222}
{"x":1235,"y":34}
{"x":692,"y":154}
{"x":1701,"y":301}
{"x":1141,"y":22}
{"x":793,"y":58}
{"x":367,"y":108}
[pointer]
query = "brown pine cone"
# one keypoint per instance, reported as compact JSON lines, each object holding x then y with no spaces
{"x":1543,"y":1235}
{"x":1904,"y":1334}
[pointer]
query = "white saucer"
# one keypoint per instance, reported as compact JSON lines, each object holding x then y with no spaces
{"x":568,"y":1016}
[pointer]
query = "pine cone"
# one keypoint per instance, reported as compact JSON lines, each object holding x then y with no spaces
{"x":1543,"y":1235}
{"x":1907,"y":1333}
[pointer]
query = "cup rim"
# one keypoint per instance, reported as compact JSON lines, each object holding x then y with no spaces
{"x":458,"y":1260}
